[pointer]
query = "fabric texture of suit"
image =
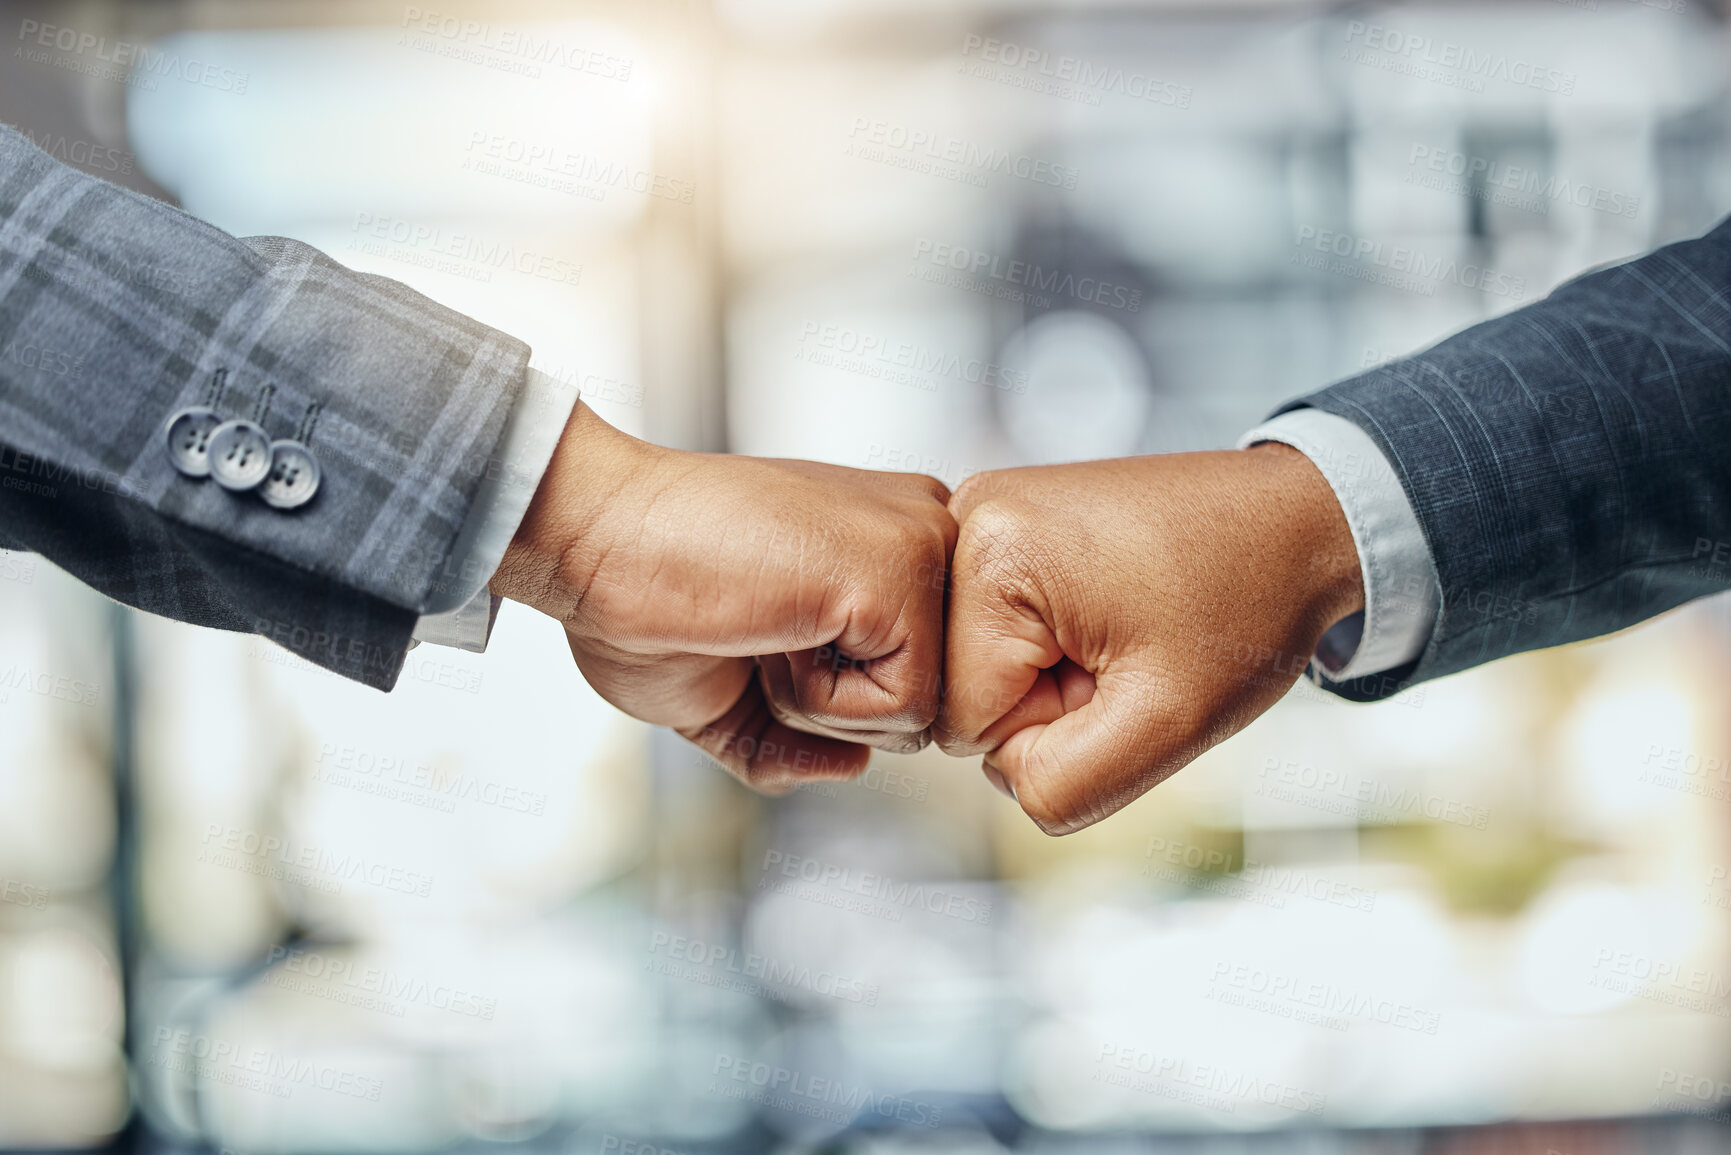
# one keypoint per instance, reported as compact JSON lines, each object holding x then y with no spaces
{"x":117,"y":311}
{"x":1569,"y":463}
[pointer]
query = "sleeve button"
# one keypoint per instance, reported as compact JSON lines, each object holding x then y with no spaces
{"x":293,"y":478}
{"x":189,"y":433}
{"x":240,"y":455}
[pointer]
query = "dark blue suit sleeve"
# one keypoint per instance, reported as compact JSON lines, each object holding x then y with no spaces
{"x":1570,"y":462}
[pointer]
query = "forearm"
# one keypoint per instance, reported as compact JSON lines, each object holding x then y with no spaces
{"x":125,"y":312}
{"x":461,"y":612}
{"x":1321,"y":568}
{"x":1398,"y":575}
{"x":558,"y":546}
{"x":1565,"y":460}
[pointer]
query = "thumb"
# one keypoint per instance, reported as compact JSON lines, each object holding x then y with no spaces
{"x":1093,"y":760}
{"x":1001,"y":645}
{"x":1072,"y":743}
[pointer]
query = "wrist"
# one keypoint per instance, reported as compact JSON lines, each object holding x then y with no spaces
{"x":564,"y":536}
{"x":1315,"y":537}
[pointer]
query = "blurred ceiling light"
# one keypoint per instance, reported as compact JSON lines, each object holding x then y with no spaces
{"x":335,"y":122}
{"x":1623,"y":739}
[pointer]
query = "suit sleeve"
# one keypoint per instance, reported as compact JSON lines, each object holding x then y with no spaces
{"x":1569,"y":463}
{"x":117,"y":311}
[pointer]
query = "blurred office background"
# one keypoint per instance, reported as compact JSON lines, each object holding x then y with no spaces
{"x":245,"y":906}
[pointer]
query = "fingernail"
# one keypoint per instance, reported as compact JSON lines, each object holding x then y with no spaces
{"x":997,"y":779}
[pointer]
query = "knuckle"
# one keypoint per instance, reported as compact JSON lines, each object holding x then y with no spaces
{"x":994,"y":535}
{"x":780,"y":707}
{"x":973,"y":489}
{"x":1056,"y":806}
{"x":894,"y":743}
{"x":939,"y":536}
{"x":922,"y":546}
{"x":955,"y":743}
{"x":967,"y":711}
{"x":935,"y":489}
{"x":906,"y":710}
{"x":906,"y":716}
{"x":1056,"y":816}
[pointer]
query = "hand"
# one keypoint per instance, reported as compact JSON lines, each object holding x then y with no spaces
{"x":1110,"y":621}
{"x":782,"y":615}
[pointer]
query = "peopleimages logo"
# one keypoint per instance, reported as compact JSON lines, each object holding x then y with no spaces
{"x":254,"y":1068}
{"x":1516,"y":185}
{"x":87,"y":52}
{"x":1016,"y":280}
{"x":520,"y":47}
{"x":558,"y":169}
{"x":325,"y":975}
{"x":60,"y":687}
{"x":1669,"y":982}
{"x":1696,"y":1094}
{"x":718,"y":965}
{"x":1325,"y":998}
{"x":951,"y":158}
{"x":1064,"y":76}
{"x":882,"y":895}
{"x":1215,"y":871}
{"x":900,"y":362}
{"x":814,"y":1096}
{"x":82,"y":153}
{"x":274,"y":856}
{"x":1398,"y":266}
{"x":1369,"y":799}
{"x":449,"y":250}
{"x":1118,"y":1066}
{"x":1446,"y":62}
{"x":439,"y":787}
{"x":23,"y":894}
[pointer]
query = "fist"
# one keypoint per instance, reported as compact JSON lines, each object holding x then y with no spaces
{"x":783,"y":615}
{"x":1110,"y":621}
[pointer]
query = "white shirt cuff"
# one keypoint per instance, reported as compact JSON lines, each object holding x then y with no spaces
{"x":461,"y":611}
{"x":468,"y":627}
{"x":1400,"y":583}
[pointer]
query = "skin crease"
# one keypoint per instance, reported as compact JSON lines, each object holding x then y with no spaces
{"x":676,"y":574}
{"x":1112,"y":620}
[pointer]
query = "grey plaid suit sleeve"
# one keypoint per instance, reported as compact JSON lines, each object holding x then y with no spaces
{"x":1570,"y":463}
{"x":116,"y":311}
